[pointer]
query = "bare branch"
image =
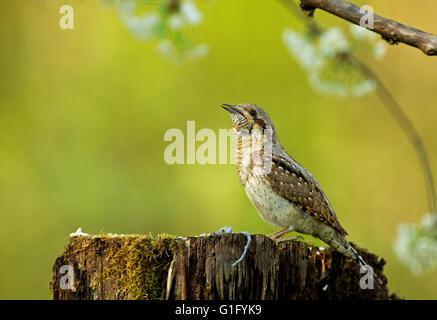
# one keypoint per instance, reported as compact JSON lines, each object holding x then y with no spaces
{"x":390,"y":30}
{"x":387,"y":100}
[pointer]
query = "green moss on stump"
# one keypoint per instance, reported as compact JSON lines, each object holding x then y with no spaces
{"x":138,"y":267}
{"x":134,"y":265}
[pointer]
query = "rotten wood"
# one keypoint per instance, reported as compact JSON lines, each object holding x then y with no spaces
{"x":200,"y":268}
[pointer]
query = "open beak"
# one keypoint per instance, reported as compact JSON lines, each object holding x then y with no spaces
{"x":232,"y":109}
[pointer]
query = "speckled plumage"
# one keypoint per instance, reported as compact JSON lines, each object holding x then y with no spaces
{"x":295,"y":184}
{"x":286,"y":195}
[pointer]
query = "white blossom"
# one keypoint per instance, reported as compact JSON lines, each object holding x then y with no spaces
{"x":199,"y":50}
{"x":333,"y":42}
{"x":363,"y":87}
{"x":142,"y":26}
{"x":187,"y":15}
{"x":168,"y":49}
{"x":416,"y":245}
{"x":328,"y":71}
{"x":379,"y":50}
{"x":429,"y":221}
{"x":175,"y":21}
{"x":161,"y":25}
{"x":302,"y":49}
{"x":328,"y":86}
{"x":362,"y":34}
{"x":165,"y":47}
{"x":190,"y":13}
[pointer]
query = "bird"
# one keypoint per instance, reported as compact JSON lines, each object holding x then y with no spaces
{"x":284,"y":193}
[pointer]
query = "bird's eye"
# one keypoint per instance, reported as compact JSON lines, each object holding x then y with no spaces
{"x":252,"y":112}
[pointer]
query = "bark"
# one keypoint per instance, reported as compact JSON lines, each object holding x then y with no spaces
{"x":138,"y":267}
{"x":392,"y":31}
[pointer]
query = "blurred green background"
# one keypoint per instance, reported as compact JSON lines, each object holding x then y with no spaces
{"x":83,"y":114}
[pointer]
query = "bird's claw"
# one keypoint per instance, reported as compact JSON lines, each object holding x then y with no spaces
{"x":289,"y":239}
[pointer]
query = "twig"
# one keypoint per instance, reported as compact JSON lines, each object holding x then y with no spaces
{"x":392,"y":31}
{"x":390,"y":104}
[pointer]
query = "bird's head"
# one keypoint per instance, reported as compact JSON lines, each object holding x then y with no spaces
{"x":246,"y":116}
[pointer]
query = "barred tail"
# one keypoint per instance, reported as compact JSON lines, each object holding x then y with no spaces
{"x":338,"y":242}
{"x":356,"y":256}
{"x":363,"y":263}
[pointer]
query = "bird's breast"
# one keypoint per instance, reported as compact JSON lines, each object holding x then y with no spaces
{"x":271,"y":206}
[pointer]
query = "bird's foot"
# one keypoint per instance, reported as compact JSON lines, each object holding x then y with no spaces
{"x":291,"y":239}
{"x":278,"y":234}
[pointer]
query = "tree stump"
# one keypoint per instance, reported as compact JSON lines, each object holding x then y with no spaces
{"x":166,"y":267}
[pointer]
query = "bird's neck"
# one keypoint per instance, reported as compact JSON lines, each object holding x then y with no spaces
{"x":253,"y":149}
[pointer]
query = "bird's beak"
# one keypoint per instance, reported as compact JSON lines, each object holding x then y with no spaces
{"x":232,"y":109}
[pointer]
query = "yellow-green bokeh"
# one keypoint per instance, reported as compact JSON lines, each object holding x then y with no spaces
{"x":83,"y":114}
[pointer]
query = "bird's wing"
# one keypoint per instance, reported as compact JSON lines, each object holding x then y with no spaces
{"x":297,"y":185}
